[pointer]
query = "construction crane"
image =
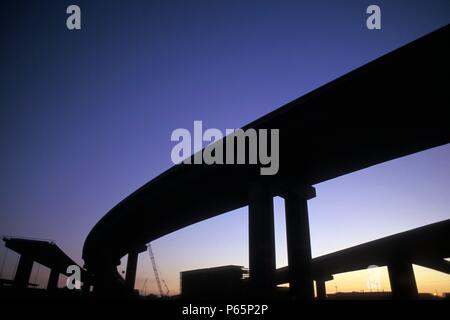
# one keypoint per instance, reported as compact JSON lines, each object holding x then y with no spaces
{"x":155,"y":270}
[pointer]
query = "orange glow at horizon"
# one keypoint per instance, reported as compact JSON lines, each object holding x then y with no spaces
{"x":428,"y":281}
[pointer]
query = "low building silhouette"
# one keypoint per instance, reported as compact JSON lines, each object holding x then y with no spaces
{"x":217,"y":282}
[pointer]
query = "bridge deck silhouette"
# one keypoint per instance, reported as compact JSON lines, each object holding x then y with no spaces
{"x":427,"y":246}
{"x":44,"y":252}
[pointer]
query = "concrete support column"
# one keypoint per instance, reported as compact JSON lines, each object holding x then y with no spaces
{"x":86,"y":286}
{"x":23,"y":272}
{"x":53,"y":280}
{"x":321,"y":289}
{"x":402,"y":279}
{"x":299,"y":242}
{"x":130,"y":276}
{"x":261,"y":239}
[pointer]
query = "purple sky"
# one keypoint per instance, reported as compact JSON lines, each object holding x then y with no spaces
{"x":86,"y":116}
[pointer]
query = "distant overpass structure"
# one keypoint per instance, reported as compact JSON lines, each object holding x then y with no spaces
{"x":391,"y":107}
{"x":44,"y":252}
{"x":427,"y":246}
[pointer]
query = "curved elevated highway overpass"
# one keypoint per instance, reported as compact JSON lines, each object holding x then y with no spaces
{"x":394,"y":106}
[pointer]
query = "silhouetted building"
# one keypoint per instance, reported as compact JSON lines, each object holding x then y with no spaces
{"x":218,"y":282}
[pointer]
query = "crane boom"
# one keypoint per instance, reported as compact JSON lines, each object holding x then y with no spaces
{"x":155,"y":269}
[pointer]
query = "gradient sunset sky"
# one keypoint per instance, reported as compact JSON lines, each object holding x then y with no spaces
{"x":86,"y":118}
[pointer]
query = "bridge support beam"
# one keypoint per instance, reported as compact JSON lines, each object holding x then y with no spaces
{"x":86,"y":286}
{"x":402,"y":279}
{"x":261,"y":239}
{"x":321,"y":289}
{"x":298,"y":241}
{"x":130,"y":276}
{"x":52,"y":283}
{"x":23,"y":272}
